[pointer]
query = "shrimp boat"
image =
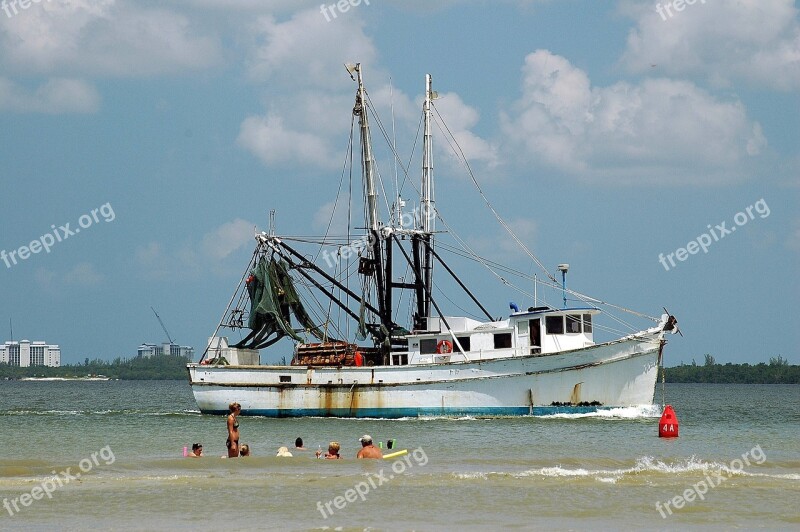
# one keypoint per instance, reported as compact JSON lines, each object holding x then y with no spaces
{"x":370,"y":362}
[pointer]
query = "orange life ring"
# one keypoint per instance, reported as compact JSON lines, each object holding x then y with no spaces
{"x":444,"y":347}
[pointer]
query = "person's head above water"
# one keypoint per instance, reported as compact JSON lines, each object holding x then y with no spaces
{"x":298,"y":442}
{"x":284,"y":451}
{"x":365,"y":440}
{"x":233,"y":407}
{"x":244,"y":450}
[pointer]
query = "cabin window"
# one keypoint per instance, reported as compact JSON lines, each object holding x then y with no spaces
{"x":427,"y":346}
{"x":555,"y":324}
{"x":587,"y":323}
{"x":573,"y":323}
{"x":502,"y":340}
{"x":464,"y":341}
{"x":285,"y":378}
{"x":399,"y":360}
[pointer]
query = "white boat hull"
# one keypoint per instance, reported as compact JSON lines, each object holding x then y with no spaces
{"x":620,"y":373}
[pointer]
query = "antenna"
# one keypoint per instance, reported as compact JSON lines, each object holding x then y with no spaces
{"x":564,"y":268}
{"x":394,"y":149}
{"x":11,"y":326}
{"x":162,"y":325}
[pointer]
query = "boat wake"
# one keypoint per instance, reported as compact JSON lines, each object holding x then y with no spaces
{"x":627,"y":412}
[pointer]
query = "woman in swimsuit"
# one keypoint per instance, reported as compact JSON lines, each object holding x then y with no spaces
{"x":233,"y":430}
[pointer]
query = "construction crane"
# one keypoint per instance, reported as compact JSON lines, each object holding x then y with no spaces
{"x":162,"y":325}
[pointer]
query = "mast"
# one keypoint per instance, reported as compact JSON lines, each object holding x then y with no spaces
{"x":426,"y":201}
{"x":427,"y":161}
{"x":377,"y":266}
{"x":367,"y":161}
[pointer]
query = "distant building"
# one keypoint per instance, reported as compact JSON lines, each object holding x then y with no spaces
{"x":26,"y":353}
{"x":167,"y":348}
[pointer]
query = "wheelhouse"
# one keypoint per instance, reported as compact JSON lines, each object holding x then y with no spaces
{"x":537,"y":331}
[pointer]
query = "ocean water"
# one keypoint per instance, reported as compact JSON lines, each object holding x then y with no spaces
{"x":108,"y":455}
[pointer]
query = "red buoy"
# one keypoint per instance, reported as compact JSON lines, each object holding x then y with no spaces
{"x":668,"y":424}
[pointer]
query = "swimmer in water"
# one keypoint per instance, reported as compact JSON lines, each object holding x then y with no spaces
{"x":233,"y":430}
{"x":368,"y":450}
{"x":333,"y":451}
{"x":197,"y":451}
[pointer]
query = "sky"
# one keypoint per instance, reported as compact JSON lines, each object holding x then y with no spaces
{"x":652,"y":146}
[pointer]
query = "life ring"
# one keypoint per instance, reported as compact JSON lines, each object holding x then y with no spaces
{"x":444,"y":347}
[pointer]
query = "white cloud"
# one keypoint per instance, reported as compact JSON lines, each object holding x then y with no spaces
{"x":155,"y":262}
{"x":310,"y":96}
{"x":227,"y":238}
{"x":240,"y":5}
{"x":306,"y":50}
{"x":660,"y":130}
{"x":191,"y":257}
{"x":308,"y":91}
{"x":106,"y":37}
{"x":44,"y":277}
{"x":338,"y":224}
{"x":271,"y":141}
{"x":83,"y":274}
{"x":460,"y":119}
{"x":57,"y":95}
{"x":753,"y":40}
{"x":501,"y":247}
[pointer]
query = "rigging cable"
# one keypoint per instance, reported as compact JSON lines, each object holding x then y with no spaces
{"x":485,"y":199}
{"x":339,"y":190}
{"x":252,"y":261}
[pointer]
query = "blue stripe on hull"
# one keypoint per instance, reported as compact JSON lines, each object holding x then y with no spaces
{"x":394,"y":413}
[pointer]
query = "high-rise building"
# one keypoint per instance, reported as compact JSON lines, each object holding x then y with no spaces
{"x":26,"y":353}
{"x":149,"y":350}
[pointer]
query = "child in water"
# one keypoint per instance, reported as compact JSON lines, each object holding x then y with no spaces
{"x":333,"y":451}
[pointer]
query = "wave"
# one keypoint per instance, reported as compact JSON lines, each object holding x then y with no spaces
{"x":123,"y":412}
{"x":405,"y":418}
{"x":626,"y":412}
{"x":645,"y":464}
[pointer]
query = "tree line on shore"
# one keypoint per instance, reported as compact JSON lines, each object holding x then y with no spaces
{"x":157,"y":367}
{"x":170,"y":367}
{"x":777,"y":371}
